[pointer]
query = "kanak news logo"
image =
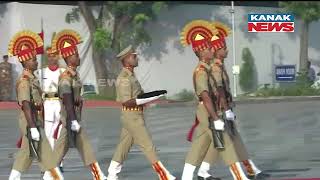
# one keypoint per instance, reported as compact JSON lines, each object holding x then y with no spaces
{"x":270,"y":23}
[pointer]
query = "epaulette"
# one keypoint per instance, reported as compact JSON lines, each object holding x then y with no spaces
{"x":22,"y":78}
{"x":25,"y":77}
{"x":61,"y":69}
{"x":65,"y":74}
{"x":123,"y":74}
{"x":215,"y":65}
{"x":200,"y":68}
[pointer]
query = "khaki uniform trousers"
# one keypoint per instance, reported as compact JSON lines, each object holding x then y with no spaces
{"x":134,"y":131}
{"x":23,"y":159}
{"x":202,"y":144}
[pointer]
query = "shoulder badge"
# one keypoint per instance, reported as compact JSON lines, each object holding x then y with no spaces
{"x":65,"y":74}
{"x":200,"y":68}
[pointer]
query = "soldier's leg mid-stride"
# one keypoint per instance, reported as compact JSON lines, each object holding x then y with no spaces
{"x":210,"y":136}
{"x":72,"y":133}
{"x":221,"y":86}
{"x":134,"y":131}
{"x":34,"y":143}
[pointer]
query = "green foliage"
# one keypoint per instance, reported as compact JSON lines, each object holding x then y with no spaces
{"x":120,"y":8}
{"x":288,"y":91}
{"x":131,"y":16}
{"x":308,"y":11}
{"x":138,"y":14}
{"x":158,"y":6}
{"x":140,"y":18}
{"x":248,"y":75}
{"x":185,"y":95}
{"x":73,"y":16}
{"x":102,"y":39}
{"x":302,"y":87}
{"x":303,"y":80}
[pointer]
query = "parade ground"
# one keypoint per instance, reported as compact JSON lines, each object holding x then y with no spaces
{"x":283,"y":138}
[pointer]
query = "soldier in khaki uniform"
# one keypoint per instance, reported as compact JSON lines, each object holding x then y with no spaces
{"x":23,"y":45}
{"x":222,"y":91}
{"x":134,"y":131}
{"x":5,"y":79}
{"x":69,"y":88}
{"x":198,"y":34}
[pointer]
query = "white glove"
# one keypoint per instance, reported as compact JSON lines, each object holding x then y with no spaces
{"x":230,"y":115}
{"x":35,"y":134}
{"x":75,"y":126}
{"x":219,"y":124}
{"x":146,"y":100}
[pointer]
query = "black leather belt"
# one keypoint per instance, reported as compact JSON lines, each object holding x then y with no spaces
{"x":51,"y":95}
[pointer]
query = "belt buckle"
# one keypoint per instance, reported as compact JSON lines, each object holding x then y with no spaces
{"x":137,"y":108}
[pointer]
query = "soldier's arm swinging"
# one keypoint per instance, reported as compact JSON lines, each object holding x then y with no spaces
{"x":130,"y":103}
{"x":223,"y":98}
{"x":27,"y":110}
{"x":68,"y":102}
{"x":209,"y":105}
{"x":144,"y":98}
{"x":24,"y":96}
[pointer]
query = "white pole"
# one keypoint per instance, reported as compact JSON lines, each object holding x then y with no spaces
{"x":234,"y":51}
{"x":41,"y":63}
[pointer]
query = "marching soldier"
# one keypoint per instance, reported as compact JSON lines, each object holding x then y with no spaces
{"x":5,"y":79}
{"x":210,"y":134}
{"x":223,"y":95}
{"x":69,"y":88}
{"x":34,"y":142}
{"x":52,"y":107}
{"x":130,"y":94}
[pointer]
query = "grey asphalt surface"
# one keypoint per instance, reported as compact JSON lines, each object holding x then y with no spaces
{"x":282,"y":138}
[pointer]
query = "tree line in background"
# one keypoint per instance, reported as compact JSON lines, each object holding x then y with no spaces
{"x":307,"y":12}
{"x":119,"y":24}
{"x":122,"y":23}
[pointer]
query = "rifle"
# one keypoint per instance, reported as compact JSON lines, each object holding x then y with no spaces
{"x":217,"y":135}
{"x":229,"y":124}
{"x":34,"y":146}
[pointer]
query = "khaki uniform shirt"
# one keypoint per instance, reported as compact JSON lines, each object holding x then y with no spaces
{"x":127,"y":86}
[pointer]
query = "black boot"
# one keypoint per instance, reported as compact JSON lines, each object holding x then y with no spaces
{"x":208,"y":178}
{"x":262,"y":176}
{"x":61,"y":169}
